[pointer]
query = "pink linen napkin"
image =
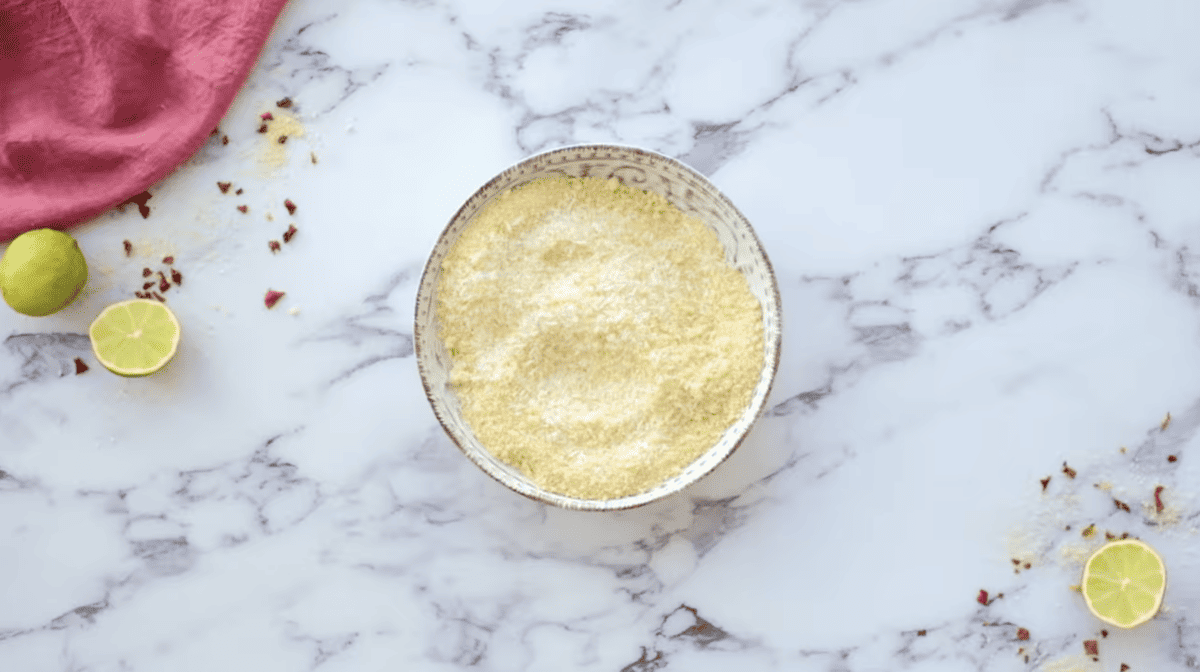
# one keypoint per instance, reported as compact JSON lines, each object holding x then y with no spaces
{"x":99,"y":99}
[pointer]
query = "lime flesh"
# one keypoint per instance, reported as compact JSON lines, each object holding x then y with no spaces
{"x":42,"y":271}
{"x":1124,"y":583}
{"x":135,"y":337}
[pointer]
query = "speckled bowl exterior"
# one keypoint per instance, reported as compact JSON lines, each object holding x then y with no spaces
{"x":634,"y":167}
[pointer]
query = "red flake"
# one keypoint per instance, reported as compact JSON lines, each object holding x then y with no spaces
{"x":1124,"y":667}
{"x":272,"y":298}
{"x":1109,"y":536}
{"x":1121,"y":505}
{"x":282,"y":139}
{"x":920,"y":633}
{"x":1045,"y":483}
{"x":146,"y":272}
{"x":1068,"y":471}
{"x":168,"y":260}
{"x":128,"y":247}
{"x":224,"y":139}
{"x":291,"y":207}
{"x":215,"y":131}
{"x":1028,"y":565}
{"x":1171,"y":458}
{"x":266,"y":116}
{"x":140,"y":295}
{"x":1158,"y":503}
{"x":176,"y":277}
{"x":286,"y":102}
{"x":982,"y":598}
{"x":262,"y":129}
{"x":1104,"y":633}
{"x":291,"y":231}
{"x":159,"y":297}
{"x":238,"y":192}
{"x":242,"y":208}
{"x":1091,"y":647}
{"x":273,"y":245}
{"x":80,"y":367}
{"x":224,"y":186}
{"x":140,"y":201}
{"x":163,"y":285}
{"x":1022,"y":634}
{"x":147,"y":285}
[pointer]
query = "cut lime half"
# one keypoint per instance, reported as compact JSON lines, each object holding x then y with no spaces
{"x":1124,"y":582}
{"x":135,"y":337}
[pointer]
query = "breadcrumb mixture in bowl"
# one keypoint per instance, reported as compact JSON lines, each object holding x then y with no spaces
{"x":598,"y":327}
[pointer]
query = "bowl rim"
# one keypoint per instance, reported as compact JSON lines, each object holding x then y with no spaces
{"x":641,"y":498}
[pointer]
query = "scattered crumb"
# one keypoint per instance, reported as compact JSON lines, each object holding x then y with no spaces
{"x":273,"y":153}
{"x":1105,"y":486}
{"x":296,"y":311}
{"x":1166,"y":422}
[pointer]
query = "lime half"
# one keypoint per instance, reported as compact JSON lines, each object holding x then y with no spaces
{"x":1124,"y":582}
{"x":135,"y":337}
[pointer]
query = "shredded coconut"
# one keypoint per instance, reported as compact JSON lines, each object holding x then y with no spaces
{"x":600,"y":342}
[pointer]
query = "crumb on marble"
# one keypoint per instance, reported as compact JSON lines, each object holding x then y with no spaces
{"x":128,"y":247}
{"x":1068,"y":471}
{"x":1171,"y":458}
{"x":1121,"y":505}
{"x":1045,"y":483}
{"x":1166,"y":422}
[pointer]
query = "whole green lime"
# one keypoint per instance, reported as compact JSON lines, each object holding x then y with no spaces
{"x":42,"y":271}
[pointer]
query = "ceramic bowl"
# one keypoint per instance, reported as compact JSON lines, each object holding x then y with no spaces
{"x":633,"y":167}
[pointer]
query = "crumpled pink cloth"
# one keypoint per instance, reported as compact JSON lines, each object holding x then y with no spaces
{"x":99,"y":99}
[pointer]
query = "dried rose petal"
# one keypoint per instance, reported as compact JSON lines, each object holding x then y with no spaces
{"x":291,"y":207}
{"x":168,"y":260}
{"x":291,"y":231}
{"x":1068,"y":471}
{"x":1124,"y":667}
{"x":242,"y":208}
{"x":273,"y":245}
{"x":1091,"y":647}
{"x":80,"y":367}
{"x":146,"y":272}
{"x":983,"y":598}
{"x":176,"y":277}
{"x":262,"y":129}
{"x":272,"y":298}
{"x":282,"y":139}
{"x":159,"y":297}
{"x":1121,"y":505}
{"x":224,"y":139}
{"x":215,"y":131}
{"x":224,"y":186}
{"x":266,"y":116}
{"x":128,"y":247}
{"x":140,"y":201}
{"x":238,"y":192}
{"x":286,"y":102}
{"x":1104,"y":633}
{"x":1045,"y":483}
{"x":1022,"y":634}
{"x":1158,"y":503}
{"x":148,"y":285}
{"x":1171,"y":458}
{"x":163,"y":285}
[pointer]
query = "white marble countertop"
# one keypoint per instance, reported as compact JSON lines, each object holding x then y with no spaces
{"x":984,"y":220}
